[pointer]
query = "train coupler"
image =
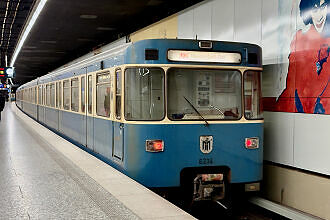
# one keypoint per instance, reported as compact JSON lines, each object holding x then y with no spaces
{"x":209,"y":187}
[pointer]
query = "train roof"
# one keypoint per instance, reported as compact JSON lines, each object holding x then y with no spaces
{"x":120,"y":52}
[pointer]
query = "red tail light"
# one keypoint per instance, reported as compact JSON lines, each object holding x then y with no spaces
{"x":252,"y":143}
{"x":154,"y":145}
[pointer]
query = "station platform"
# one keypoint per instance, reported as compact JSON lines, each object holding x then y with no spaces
{"x":43,"y":176}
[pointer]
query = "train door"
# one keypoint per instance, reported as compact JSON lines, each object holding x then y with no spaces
{"x":83,"y":135}
{"x":89,"y":114}
{"x":118,"y":127}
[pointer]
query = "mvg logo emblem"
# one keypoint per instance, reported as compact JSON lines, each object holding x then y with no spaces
{"x":206,"y":144}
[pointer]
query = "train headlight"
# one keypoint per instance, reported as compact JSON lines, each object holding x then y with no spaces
{"x":252,"y":143}
{"x":154,"y":145}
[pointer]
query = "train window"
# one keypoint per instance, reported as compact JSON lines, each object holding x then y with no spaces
{"x":66,"y":94}
{"x":35,"y":94}
{"x":75,"y":95}
{"x":83,"y":94}
{"x":90,"y":94}
{"x":48,"y":95}
{"x":44,"y":95}
{"x":56,"y":101}
{"x":103,"y":94}
{"x":59,"y":95}
{"x":252,"y":95}
{"x":52,"y":95}
{"x":212,"y":94}
{"x":118,"y":93}
{"x":144,"y":94}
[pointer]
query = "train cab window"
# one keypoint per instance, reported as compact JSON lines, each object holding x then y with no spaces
{"x":52,"y":95}
{"x":66,"y":94}
{"x":212,"y":94}
{"x":118,"y":93}
{"x":144,"y":93}
{"x":252,"y":95}
{"x":59,"y":95}
{"x":83,"y":94}
{"x":75,"y":95}
{"x":103,"y":81}
{"x":90,"y":94}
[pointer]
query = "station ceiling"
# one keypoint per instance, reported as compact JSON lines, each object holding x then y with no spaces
{"x":67,"y":29}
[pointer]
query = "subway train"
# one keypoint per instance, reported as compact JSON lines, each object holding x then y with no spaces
{"x":169,"y":113}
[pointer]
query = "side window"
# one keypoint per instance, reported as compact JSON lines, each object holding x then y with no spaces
{"x":90,"y":94}
{"x":56,"y":101}
{"x":103,"y":94}
{"x":66,"y":95}
{"x":44,"y":95}
{"x":52,"y":95}
{"x":40,"y":96}
{"x":35,"y":94}
{"x":60,"y":95}
{"x":118,"y":93}
{"x":75,"y":95}
{"x":48,"y":95}
{"x":83,"y":94}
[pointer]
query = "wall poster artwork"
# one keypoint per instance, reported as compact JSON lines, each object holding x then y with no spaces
{"x":307,"y":88}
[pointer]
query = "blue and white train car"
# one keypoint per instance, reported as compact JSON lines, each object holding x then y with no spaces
{"x":167,"y":113}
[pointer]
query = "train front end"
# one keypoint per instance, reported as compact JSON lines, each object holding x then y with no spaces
{"x":194,"y":120}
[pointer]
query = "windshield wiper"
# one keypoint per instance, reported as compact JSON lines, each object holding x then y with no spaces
{"x":196,"y":111}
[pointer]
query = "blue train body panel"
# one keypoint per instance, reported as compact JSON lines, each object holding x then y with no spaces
{"x":103,"y":137}
{"x":182,"y":149}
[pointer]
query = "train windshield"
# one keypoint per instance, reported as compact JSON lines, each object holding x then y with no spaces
{"x":212,"y":94}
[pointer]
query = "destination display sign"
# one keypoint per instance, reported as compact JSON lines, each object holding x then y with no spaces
{"x":203,"y":56}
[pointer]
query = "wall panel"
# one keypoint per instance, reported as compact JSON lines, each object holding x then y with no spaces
{"x":278,"y":145}
{"x":202,"y":21}
{"x":247,"y":21}
{"x":223,"y":20}
{"x":186,"y":25}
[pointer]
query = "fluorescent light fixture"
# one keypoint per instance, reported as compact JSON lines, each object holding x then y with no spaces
{"x":27,"y":30}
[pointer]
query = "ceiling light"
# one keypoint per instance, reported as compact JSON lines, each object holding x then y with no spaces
{"x":27,"y":30}
{"x":88,"y":16}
